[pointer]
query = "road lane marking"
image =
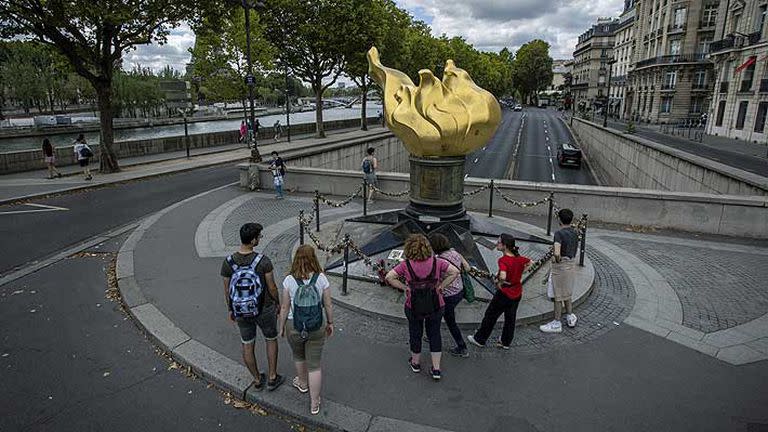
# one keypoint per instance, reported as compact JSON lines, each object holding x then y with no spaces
{"x":483,"y":148}
{"x":475,"y":160}
{"x":41,"y":208}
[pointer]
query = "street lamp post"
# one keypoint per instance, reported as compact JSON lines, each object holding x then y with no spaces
{"x":608,"y":93}
{"x":250,"y":80}
{"x":287,"y":105}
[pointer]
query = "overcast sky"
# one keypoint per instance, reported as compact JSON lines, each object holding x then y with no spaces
{"x":489,"y":25}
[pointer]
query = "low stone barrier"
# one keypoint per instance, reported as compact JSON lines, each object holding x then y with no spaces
{"x":629,"y":161}
{"x":28,"y":160}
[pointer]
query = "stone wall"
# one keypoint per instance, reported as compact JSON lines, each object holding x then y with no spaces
{"x":628,"y":161}
{"x":27,"y":160}
{"x":695,"y":212}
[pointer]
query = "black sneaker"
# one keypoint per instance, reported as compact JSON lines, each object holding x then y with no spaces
{"x":275,"y":383}
{"x":435,"y":374}
{"x":415,"y":367}
{"x":459,"y":352}
{"x":471,"y":338}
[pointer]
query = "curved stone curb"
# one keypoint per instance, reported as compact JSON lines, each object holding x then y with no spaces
{"x":225,"y":372}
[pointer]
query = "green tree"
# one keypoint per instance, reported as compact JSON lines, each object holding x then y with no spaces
{"x":532,"y":69}
{"x":310,"y":39}
{"x":93,"y":35}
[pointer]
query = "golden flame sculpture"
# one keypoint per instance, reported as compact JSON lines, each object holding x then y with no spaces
{"x":452,"y":117}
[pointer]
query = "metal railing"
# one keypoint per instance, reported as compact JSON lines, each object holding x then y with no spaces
{"x":675,"y":28}
{"x":668,"y":59}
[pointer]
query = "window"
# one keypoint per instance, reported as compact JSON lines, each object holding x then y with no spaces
{"x":720,"y":113}
{"x":748,"y":75}
{"x":679,"y":18}
{"x":742,"y":114}
{"x":709,"y":16}
{"x":700,"y":79}
{"x":761,"y":18}
{"x":762,"y":112}
{"x":666,"y":104}
{"x":704,"y":43}
{"x":670,"y":79}
{"x":697,"y":103}
{"x":735,"y":22}
{"x":674,"y":47}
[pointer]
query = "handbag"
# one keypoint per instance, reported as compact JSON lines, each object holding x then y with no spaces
{"x":466,"y":281}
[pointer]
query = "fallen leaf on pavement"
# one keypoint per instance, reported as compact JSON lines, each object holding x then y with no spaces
{"x":240,"y":404}
{"x":106,"y":374}
{"x":258,"y":410}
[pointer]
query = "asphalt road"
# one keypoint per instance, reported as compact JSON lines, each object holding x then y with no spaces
{"x":30,"y":236}
{"x":537,"y":156}
{"x":493,"y":159}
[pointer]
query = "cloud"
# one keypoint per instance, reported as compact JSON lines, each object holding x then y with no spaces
{"x":156,"y":57}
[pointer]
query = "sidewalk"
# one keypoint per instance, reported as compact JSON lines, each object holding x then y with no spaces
{"x":29,"y":184}
{"x":660,"y":322}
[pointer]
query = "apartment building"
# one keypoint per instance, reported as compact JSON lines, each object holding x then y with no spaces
{"x":590,"y":65}
{"x":740,"y":57}
{"x":623,"y":56}
{"x":672,"y":76}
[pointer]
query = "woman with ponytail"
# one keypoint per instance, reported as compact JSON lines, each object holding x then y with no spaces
{"x":507,"y":297}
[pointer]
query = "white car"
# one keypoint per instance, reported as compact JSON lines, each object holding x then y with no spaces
{"x":518,"y":107}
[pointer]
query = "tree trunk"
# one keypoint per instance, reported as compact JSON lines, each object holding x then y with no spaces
{"x":364,"y":101}
{"x":320,"y":130}
{"x":108,"y":162}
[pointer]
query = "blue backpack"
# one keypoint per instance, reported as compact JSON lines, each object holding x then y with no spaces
{"x":307,"y":307}
{"x":245,"y":289}
{"x":367,"y":166}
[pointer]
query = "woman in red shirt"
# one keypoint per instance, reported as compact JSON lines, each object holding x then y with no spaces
{"x":507,"y":297}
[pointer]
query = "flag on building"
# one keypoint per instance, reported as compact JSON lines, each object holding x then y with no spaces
{"x":750,"y":61}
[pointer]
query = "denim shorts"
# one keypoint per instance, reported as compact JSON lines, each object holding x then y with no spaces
{"x":266,"y":321}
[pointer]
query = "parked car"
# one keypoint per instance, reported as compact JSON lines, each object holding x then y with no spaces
{"x":568,"y":154}
{"x":518,"y":107}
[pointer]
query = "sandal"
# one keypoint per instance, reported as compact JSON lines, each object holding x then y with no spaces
{"x":315,"y":410}
{"x":298,"y":386}
{"x":260,"y":385}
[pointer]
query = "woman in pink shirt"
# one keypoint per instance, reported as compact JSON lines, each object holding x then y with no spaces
{"x":425,"y":278}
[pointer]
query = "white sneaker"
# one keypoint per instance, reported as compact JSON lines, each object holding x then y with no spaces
{"x":571,"y":320}
{"x":551,"y":327}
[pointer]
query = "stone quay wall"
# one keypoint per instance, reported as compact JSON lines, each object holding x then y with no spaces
{"x":629,"y":161}
{"x":29,"y":160}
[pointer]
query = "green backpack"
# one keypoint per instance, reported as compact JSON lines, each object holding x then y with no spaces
{"x":307,"y":307}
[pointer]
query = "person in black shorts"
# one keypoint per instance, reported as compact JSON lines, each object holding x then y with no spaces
{"x":266,"y":320}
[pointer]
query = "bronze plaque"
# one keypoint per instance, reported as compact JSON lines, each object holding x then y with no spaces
{"x":430,"y":184}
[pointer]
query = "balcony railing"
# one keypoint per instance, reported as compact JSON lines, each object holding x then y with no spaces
{"x":667,"y":86}
{"x":699,"y":86}
{"x":735,"y":41}
{"x":675,"y":28}
{"x":706,"y":25}
{"x":724,"y":87}
{"x":764,"y":86}
{"x":667,"y":59}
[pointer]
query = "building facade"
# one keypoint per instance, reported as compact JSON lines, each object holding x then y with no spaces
{"x":590,"y":65}
{"x":740,"y":56}
{"x":672,"y":77}
{"x":623,"y":55}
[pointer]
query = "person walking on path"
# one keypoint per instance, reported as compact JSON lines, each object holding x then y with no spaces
{"x":369,"y":166}
{"x":243,"y":131}
{"x":83,"y":154}
{"x":562,"y":272}
{"x":278,"y":129}
{"x":454,"y":292}
{"x":426,"y":276}
{"x":49,"y":155}
{"x":277,"y":166}
{"x":508,"y":294}
{"x":252,"y":298}
{"x":306,"y":293}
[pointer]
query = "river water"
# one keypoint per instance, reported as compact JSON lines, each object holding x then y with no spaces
{"x":142,"y":133}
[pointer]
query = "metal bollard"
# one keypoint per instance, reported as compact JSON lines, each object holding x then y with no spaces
{"x":490,"y":200}
{"x":365,"y":197}
{"x":346,"y":265}
{"x":317,"y":210}
{"x":583,"y":241}
{"x":551,"y":209}
{"x":301,"y":227}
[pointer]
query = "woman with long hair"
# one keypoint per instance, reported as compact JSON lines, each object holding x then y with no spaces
{"x":426,"y":276}
{"x":306,"y":292}
{"x":49,"y":156}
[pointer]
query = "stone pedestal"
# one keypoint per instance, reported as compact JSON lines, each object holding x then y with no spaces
{"x":437,"y":184}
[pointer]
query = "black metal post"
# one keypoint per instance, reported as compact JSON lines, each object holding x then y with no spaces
{"x":583,"y":241}
{"x":301,"y":227}
{"x":317,"y":210}
{"x":186,"y":134}
{"x":346,"y":265}
{"x":255,"y":156}
{"x":551,"y":209}
{"x":287,"y":106}
{"x":490,"y":200}
{"x":365,"y":197}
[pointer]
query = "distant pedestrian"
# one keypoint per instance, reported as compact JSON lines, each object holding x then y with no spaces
{"x":278,"y":129}
{"x":381,"y":118}
{"x":426,"y":276}
{"x":306,"y":293}
{"x":369,"y":166}
{"x":49,"y":155}
{"x":562,"y":272}
{"x":454,"y":292}
{"x":252,"y":302}
{"x":83,"y":154}
{"x":243,"y":131}
{"x":277,"y":166}
{"x":255,"y":129}
{"x":508,"y":294}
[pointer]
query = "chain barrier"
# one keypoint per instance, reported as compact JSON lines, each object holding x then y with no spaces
{"x":337,"y":248}
{"x":522,"y":204}
{"x":476,"y":191}
{"x":391,"y":194}
{"x":343,"y":202}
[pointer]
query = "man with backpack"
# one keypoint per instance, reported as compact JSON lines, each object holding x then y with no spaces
{"x":370,"y":165}
{"x":83,"y":154}
{"x":252,"y":302}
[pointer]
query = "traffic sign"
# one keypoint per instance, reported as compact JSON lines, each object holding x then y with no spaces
{"x":250,"y":80}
